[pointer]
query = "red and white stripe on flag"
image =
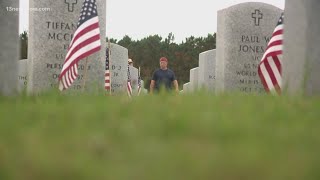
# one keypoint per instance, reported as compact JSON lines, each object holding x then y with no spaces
{"x":107,"y":78}
{"x":86,"y":41}
{"x":139,"y":82}
{"x":269,"y":69}
{"x":129,"y":86}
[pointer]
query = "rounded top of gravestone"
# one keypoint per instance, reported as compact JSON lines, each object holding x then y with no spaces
{"x":206,"y":55}
{"x":251,"y":5}
{"x":250,"y":18}
{"x":118,"y":51}
{"x":116,"y":46}
{"x":209,"y":51}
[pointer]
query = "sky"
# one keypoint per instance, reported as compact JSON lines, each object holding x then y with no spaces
{"x":141,"y":18}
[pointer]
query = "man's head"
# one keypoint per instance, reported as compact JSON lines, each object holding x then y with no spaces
{"x":163,"y":63}
{"x":130,"y":62}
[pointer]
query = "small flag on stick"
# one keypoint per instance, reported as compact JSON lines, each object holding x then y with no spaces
{"x":269,"y":69}
{"x":129,"y":87}
{"x":86,"y":41}
{"x":139,"y":82}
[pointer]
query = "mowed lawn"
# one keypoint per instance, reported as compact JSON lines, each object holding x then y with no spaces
{"x":163,"y":137}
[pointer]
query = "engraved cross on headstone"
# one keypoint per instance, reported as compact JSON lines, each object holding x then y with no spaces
{"x":71,"y":4}
{"x":257,"y":16}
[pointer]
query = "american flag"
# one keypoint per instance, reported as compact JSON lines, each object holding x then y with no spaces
{"x":85,"y":41}
{"x":129,"y":87}
{"x":107,"y":85}
{"x":269,"y":68}
{"x":139,"y":82}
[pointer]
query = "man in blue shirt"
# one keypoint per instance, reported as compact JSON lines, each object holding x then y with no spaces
{"x":163,"y":78}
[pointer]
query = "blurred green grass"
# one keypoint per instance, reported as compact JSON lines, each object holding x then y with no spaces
{"x":200,"y":136}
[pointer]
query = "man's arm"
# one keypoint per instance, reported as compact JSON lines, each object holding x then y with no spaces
{"x":152,"y":84}
{"x":175,"y":82}
{"x":176,"y":85}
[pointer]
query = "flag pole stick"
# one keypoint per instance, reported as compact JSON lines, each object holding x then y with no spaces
{"x":109,"y":51}
{"x":85,"y":75}
{"x":139,"y":79}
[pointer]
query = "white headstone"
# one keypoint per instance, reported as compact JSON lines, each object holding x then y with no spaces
{"x":194,"y":79}
{"x":144,"y":91}
{"x":50,"y":33}
{"x":9,"y":46}
{"x":118,"y":68}
{"x":207,"y":69}
{"x":242,"y":37}
{"x":134,"y":79}
{"x":301,"y":63}
{"x":142,"y":83}
{"x":186,"y":87}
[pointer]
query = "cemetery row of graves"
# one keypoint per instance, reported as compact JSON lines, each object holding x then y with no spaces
{"x":243,"y":36}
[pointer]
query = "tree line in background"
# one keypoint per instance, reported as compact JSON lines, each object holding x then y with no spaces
{"x":147,"y":52}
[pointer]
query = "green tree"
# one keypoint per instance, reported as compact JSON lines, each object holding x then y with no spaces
{"x":23,"y":37}
{"x":111,"y":40}
{"x":182,"y":57}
